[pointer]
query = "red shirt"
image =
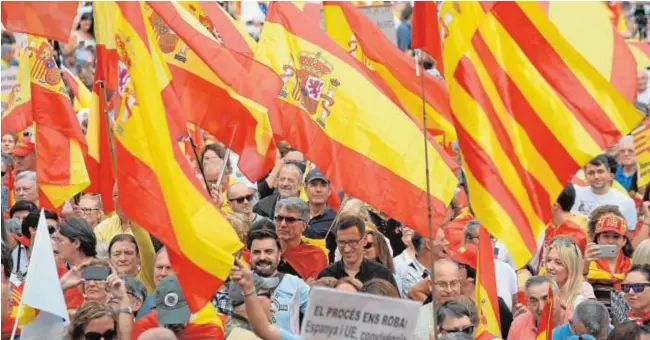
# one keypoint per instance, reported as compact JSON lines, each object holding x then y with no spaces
{"x":192,"y":332}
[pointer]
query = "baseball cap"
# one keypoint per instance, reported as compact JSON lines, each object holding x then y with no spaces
{"x":24,"y":147}
{"x":171,"y":306}
{"x":466,"y":254}
{"x":261,"y":284}
{"x":315,"y":174}
{"x":134,"y":287}
{"x":611,"y":222}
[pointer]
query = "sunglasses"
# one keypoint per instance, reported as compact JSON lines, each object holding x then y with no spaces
{"x":4,"y":173}
{"x":108,"y":335}
{"x":368,"y":245}
{"x":466,"y":330}
{"x":240,"y":200}
{"x":288,"y":219}
{"x":634,"y":287}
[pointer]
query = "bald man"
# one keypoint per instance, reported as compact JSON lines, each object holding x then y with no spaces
{"x":241,"y":199}
{"x":158,"y":333}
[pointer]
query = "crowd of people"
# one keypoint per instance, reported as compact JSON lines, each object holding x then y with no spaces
{"x":118,"y":281}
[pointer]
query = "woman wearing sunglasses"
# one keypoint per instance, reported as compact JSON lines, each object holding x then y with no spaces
{"x":636,"y":290}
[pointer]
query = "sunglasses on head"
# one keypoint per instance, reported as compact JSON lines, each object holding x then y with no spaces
{"x":288,"y":219}
{"x":108,"y":335}
{"x":634,"y":287}
{"x":240,"y":200}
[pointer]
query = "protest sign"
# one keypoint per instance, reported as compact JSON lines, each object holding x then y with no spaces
{"x":294,"y":312}
{"x":642,"y":149}
{"x":335,"y":314}
{"x":382,"y":16}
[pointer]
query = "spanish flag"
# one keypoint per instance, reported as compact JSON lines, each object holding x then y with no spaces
{"x":486,"y":288}
{"x":153,"y":175}
{"x":207,"y":74}
{"x":361,"y":38}
{"x":48,"y":19}
{"x":641,"y":52}
{"x":426,"y":30}
{"x":529,"y":111}
{"x":545,"y":323}
{"x":80,"y":93}
{"x":17,"y":115}
{"x":331,"y":110}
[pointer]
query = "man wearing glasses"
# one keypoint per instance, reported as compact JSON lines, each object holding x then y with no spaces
{"x":350,"y":231}
{"x":454,"y":317}
{"x":241,"y":200}
{"x":91,"y":208}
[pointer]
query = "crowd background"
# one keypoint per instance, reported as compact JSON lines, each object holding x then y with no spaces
{"x":594,"y":253}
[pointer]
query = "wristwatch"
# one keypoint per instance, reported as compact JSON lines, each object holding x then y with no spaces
{"x":125,"y":310}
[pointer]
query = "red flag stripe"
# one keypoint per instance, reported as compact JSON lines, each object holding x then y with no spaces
{"x":229,"y":33}
{"x":623,"y":74}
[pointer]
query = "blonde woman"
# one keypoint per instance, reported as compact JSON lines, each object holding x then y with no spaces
{"x":641,"y":254}
{"x":563,"y":263}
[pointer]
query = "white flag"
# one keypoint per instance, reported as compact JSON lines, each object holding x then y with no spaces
{"x":43,"y":290}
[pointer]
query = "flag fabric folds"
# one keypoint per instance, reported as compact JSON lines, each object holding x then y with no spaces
{"x":361,"y":38}
{"x":158,"y":189}
{"x":51,"y":20}
{"x":506,"y":56}
{"x":486,"y":288}
{"x":330,"y":110}
{"x":545,"y":323}
{"x":17,"y":115}
{"x":642,"y":150}
{"x":426,"y":30}
{"x":224,"y":92}
{"x":641,"y":52}
{"x":81,"y":95}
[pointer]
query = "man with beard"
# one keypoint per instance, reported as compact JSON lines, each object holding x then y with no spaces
{"x":288,"y":185}
{"x":265,"y":251}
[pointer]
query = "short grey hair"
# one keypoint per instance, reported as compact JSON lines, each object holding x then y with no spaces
{"x":593,"y":315}
{"x":470,"y":227}
{"x":295,"y":166}
{"x":30,"y":175}
{"x":627,"y":139}
{"x":13,"y":225}
{"x":451,"y":309}
{"x":456,"y":336}
{"x":294,"y":205}
{"x":541,"y":279}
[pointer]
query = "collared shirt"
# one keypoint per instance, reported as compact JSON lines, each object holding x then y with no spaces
{"x":410,"y":274}
{"x":369,"y":270}
{"x":523,"y":327}
{"x":318,"y":226}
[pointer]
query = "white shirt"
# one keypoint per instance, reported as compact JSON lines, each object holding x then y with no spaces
{"x":503,"y":254}
{"x":506,"y":282}
{"x":587,"y":201}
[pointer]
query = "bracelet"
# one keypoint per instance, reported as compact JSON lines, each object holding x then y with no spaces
{"x":249,"y":294}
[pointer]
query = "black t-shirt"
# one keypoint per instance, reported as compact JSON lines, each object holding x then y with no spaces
{"x":369,"y":270}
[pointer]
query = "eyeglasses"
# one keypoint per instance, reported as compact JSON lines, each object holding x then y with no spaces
{"x":52,"y":229}
{"x":240,"y":200}
{"x":447,"y":285}
{"x":108,"y":335}
{"x":467,"y":330}
{"x":368,"y":245}
{"x":88,"y":210}
{"x":636,"y":288}
{"x":352,"y":243}
{"x":288,"y":219}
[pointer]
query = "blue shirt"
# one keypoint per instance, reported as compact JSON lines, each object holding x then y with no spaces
{"x":563,"y":332}
{"x":286,"y":335}
{"x":148,"y":305}
{"x":404,"y":36}
{"x":282,"y":297}
{"x":625,"y":181}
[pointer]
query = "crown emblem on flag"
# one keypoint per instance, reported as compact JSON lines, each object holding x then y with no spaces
{"x":44,"y":68}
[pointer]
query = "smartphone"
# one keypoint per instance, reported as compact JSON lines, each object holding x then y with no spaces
{"x":607,"y":251}
{"x":95,"y":273}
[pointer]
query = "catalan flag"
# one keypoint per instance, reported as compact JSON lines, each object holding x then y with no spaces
{"x":209,"y":75}
{"x":641,"y":52}
{"x":17,"y":115}
{"x":486,"y":288}
{"x":81,"y":94}
{"x":153,"y":175}
{"x":426,"y":30}
{"x":642,"y":150}
{"x":48,"y":19}
{"x":331,"y":110}
{"x":545,"y":323}
{"x":361,"y":38}
{"x":529,"y":111}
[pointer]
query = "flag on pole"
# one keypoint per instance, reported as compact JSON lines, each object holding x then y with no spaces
{"x":47,"y":19}
{"x":153,"y":175}
{"x":486,"y":288}
{"x":17,"y":115}
{"x":426,"y":30}
{"x":331,"y":110}
{"x":529,"y":112}
{"x":545,"y":323}
{"x":43,"y":289}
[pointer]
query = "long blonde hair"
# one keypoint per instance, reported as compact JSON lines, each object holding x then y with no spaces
{"x":569,"y":253}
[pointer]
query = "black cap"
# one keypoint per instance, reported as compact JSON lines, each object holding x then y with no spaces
{"x":315,"y":174}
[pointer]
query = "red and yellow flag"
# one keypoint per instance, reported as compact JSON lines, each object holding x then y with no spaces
{"x":361,"y":38}
{"x":545,"y":323}
{"x":48,"y":19}
{"x":641,"y":52}
{"x":82,"y":96}
{"x":158,"y":189}
{"x":17,"y":115}
{"x":426,"y":30}
{"x":224,"y":92}
{"x":331,"y":110}
{"x":529,"y":111}
{"x":486,"y":288}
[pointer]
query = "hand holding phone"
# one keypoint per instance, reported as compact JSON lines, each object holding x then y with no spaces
{"x":607,"y":251}
{"x":95,"y":273}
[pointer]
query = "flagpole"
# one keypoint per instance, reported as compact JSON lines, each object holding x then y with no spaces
{"x":109,"y":132}
{"x":418,"y":58}
{"x":198,"y":161}
{"x":226,"y":158}
{"x":20,"y":310}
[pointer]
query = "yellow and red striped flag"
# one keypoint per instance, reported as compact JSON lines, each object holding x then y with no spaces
{"x":52,"y":20}
{"x":17,"y":115}
{"x":209,"y":75}
{"x":153,"y":175}
{"x":529,"y":111}
{"x":82,"y":97}
{"x":642,"y":150}
{"x":361,"y":38}
{"x":641,"y":52}
{"x":331,"y":109}
{"x":545,"y":323}
{"x":487,"y":301}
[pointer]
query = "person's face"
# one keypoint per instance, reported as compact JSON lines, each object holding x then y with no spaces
{"x":100,"y":325}
{"x":265,"y":257}
{"x":67,"y":248}
{"x":241,"y":198}
{"x":84,"y":25}
{"x":369,"y":250}
{"x":318,"y":191}
{"x":467,"y":284}
{"x":125,"y":258}
{"x":294,"y":156}
{"x":407,"y":236}
{"x":555,"y":268}
{"x":162,"y":268}
{"x":210,"y":156}
{"x":610,"y":237}
{"x":26,"y":189}
{"x":598,"y":176}
{"x":446,"y":283}
{"x":90,"y":210}
{"x":8,"y":144}
{"x":25,"y":162}
{"x":626,"y":155}
{"x":536,"y":296}
{"x":440,"y":245}
{"x":351,"y":244}
{"x":639,"y":300}
{"x":473,"y":237}
{"x":94,"y":290}
{"x":455,"y":325}
{"x":20,"y":214}
{"x":288,"y":182}
{"x":344,"y":286}
{"x":641,"y":80}
{"x":289,"y":225}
